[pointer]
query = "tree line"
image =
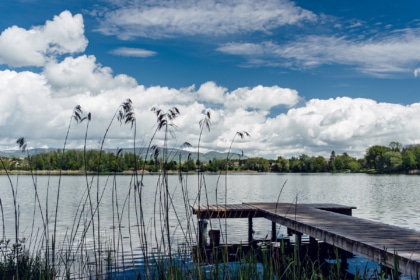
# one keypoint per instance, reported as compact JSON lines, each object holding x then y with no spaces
{"x":393,"y":158}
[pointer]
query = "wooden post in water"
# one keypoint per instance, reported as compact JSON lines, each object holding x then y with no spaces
{"x":298,"y":238}
{"x":202,"y":229}
{"x":313,"y":247}
{"x":313,"y":244}
{"x":250,"y":230}
{"x":214,"y":235}
{"x":273,"y":232}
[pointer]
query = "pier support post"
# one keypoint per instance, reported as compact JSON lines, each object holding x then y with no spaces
{"x":298,"y":235}
{"x":214,"y":235}
{"x":313,"y":244}
{"x":202,"y":230}
{"x":250,"y":230}
{"x":344,"y":259}
{"x":313,"y":248}
{"x":298,"y":238}
{"x":273,"y":232}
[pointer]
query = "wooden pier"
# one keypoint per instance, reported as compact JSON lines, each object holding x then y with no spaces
{"x":333,"y":224}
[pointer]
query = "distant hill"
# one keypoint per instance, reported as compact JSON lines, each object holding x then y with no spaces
{"x":173,"y":153}
{"x":20,"y":154}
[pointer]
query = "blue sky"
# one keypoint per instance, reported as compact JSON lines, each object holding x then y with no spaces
{"x":299,"y":76}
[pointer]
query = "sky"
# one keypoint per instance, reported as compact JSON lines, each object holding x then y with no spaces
{"x":300,"y":77}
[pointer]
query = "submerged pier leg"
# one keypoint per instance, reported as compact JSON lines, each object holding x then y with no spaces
{"x":202,"y":230}
{"x":214,"y":235}
{"x":313,"y":248}
{"x":298,"y":235}
{"x":344,"y":259}
{"x":298,"y":238}
{"x":250,"y":230}
{"x":273,"y":232}
{"x":313,"y":243}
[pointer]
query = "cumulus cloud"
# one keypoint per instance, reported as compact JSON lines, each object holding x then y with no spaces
{"x":33,"y":106}
{"x":261,"y":98}
{"x":256,"y":98}
{"x":344,"y":124}
{"x":133,"y":52}
{"x":210,"y":92}
{"x":381,"y":56}
{"x":173,"y":18}
{"x":39,"y":106}
{"x":34,"y":47}
{"x":82,"y":75}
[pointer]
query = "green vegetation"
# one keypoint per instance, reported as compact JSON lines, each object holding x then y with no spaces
{"x":378,"y":159}
{"x":18,"y":263}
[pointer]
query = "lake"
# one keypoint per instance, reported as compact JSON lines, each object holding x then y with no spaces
{"x":391,"y":199}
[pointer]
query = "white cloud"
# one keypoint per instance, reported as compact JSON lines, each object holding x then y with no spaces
{"x":33,"y":47}
{"x":248,"y":49}
{"x":381,"y":56}
{"x":261,"y":98}
{"x":39,"y":106}
{"x":210,"y":92}
{"x":133,"y":52}
{"x":342,"y":124}
{"x":172,"y":18}
{"x":257,"y":98}
{"x":33,"y":108}
{"x":82,"y":75}
{"x":416,"y":72}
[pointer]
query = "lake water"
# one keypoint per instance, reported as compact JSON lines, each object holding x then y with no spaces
{"x":391,"y":199}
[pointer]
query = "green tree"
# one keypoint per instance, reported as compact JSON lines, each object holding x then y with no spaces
{"x":354,"y":165}
{"x":392,"y":162}
{"x":295,"y":164}
{"x":374,"y":156}
{"x":40,"y":162}
{"x":395,"y":146}
{"x":172,"y":165}
{"x":409,"y":160}
{"x":339,"y":164}
{"x":305,"y":163}
{"x":319,"y":164}
{"x":281,"y":165}
{"x":257,"y":164}
{"x":415,"y":150}
{"x":188,"y":165}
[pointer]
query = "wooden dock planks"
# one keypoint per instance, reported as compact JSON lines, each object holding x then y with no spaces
{"x":326,"y":222}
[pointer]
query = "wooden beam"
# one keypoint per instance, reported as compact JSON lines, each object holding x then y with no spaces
{"x":250,"y":230}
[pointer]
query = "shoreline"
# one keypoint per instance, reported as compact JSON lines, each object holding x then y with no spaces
{"x":127,"y":172}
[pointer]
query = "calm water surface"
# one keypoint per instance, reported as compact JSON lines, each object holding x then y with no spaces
{"x":392,"y":199}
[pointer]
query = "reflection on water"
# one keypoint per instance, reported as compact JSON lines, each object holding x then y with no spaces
{"x":391,"y":199}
